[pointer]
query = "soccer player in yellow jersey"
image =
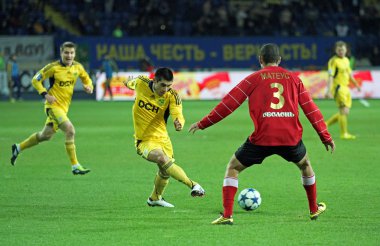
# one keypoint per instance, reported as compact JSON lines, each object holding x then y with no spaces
{"x":155,"y":102}
{"x":340,"y":75}
{"x":63,"y":75}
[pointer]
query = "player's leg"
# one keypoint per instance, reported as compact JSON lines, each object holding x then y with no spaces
{"x":298,"y":155}
{"x":246,"y":155}
{"x":230,"y":185}
{"x":344,"y":101}
{"x":18,"y":87}
{"x":109,"y":88}
{"x":168,"y":165}
{"x":160,"y":182}
{"x":343,"y":112}
{"x":175,"y":171}
{"x":162,"y":154}
{"x":333,"y":119}
{"x":38,"y":137}
{"x":343,"y":124}
{"x":68,"y":128}
{"x":308,"y":181}
{"x":310,"y":186}
{"x":34,"y":139}
{"x":10,"y":89}
{"x":162,"y":178}
{"x":105,"y":89}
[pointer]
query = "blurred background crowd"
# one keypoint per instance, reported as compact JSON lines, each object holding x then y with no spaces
{"x":139,"y":18}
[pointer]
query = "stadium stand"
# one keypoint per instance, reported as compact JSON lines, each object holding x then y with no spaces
{"x":132,"y":18}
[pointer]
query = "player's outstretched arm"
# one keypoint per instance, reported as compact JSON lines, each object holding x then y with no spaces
{"x":194,"y":127}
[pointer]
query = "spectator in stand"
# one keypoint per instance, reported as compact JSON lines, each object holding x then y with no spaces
{"x":118,"y":31}
{"x":240,"y":18}
{"x":341,"y":28}
{"x":375,"y":56}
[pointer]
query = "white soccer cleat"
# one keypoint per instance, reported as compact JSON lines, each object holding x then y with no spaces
{"x":160,"y":203}
{"x":197,"y":190}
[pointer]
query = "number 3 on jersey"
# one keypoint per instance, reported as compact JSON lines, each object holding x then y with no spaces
{"x":277,"y":94}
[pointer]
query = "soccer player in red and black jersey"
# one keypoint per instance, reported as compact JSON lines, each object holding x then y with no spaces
{"x":273,"y":96}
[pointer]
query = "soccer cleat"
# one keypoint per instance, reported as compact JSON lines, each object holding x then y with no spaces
{"x":197,"y":190}
{"x":223,"y":221}
{"x":15,"y":153}
{"x":321,"y":209}
{"x":80,"y":170}
{"x":347,"y":136}
{"x":160,"y":203}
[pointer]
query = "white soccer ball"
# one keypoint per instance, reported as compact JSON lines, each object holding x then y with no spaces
{"x":249,"y":199}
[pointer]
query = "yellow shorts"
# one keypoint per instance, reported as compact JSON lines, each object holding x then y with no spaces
{"x":55,"y":116}
{"x":342,"y":96}
{"x":143,"y":148}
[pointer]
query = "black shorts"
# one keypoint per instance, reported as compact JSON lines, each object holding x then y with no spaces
{"x":249,"y":154}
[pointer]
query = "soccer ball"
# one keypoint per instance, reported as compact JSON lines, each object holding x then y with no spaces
{"x":249,"y":199}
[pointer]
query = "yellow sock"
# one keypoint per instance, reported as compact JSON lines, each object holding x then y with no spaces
{"x":177,"y":173}
{"x":29,"y":142}
{"x":160,"y":183}
{"x":70,"y":149}
{"x":333,"y":119}
{"x":343,"y":124}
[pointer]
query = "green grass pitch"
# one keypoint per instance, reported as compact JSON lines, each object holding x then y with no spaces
{"x":42,"y":203}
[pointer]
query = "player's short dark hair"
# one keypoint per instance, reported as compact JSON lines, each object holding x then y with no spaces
{"x":67,"y":44}
{"x":164,"y":73}
{"x":270,"y":53}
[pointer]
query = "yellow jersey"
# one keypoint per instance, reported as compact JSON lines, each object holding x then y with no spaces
{"x":62,"y":80}
{"x":339,"y":68}
{"x":151,"y":112}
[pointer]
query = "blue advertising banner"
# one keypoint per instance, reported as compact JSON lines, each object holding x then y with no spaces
{"x":204,"y":53}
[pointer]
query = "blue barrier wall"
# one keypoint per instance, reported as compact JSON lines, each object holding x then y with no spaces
{"x":204,"y":53}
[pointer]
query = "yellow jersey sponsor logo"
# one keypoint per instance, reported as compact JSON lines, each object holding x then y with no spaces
{"x":66,"y":83}
{"x":148,"y":106}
